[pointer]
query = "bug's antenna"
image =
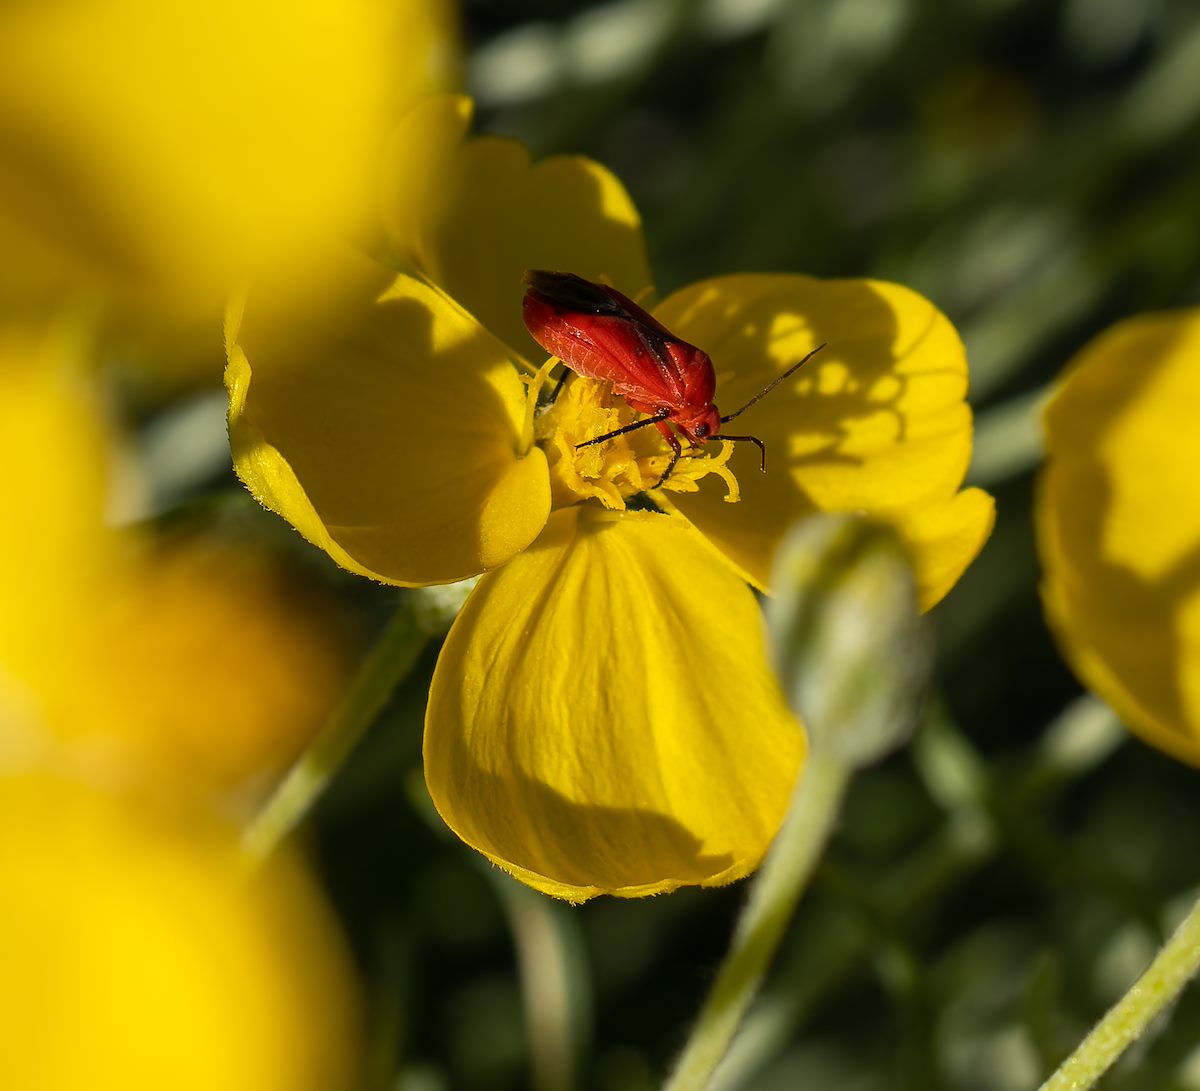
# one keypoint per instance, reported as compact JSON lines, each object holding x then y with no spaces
{"x":767,"y":390}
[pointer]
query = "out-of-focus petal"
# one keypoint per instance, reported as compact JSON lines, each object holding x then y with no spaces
{"x":875,"y":422}
{"x":389,"y":433}
{"x":1118,"y":515}
{"x":54,"y":553}
{"x":497,"y":214}
{"x":191,"y":670}
{"x":137,"y":956}
{"x":207,"y":672}
{"x":421,"y":152}
{"x":151,"y":153}
{"x":602,"y":718}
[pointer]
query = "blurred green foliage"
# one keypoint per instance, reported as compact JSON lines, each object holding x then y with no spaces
{"x":1033,"y":167}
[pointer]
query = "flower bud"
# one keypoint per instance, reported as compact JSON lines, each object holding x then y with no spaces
{"x":852,"y":653}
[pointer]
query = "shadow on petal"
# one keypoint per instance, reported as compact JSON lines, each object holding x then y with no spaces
{"x":875,"y":422}
{"x":1119,"y":526}
{"x":595,"y":849}
{"x":603,"y":717}
{"x":388,"y":432}
{"x":500,"y":214}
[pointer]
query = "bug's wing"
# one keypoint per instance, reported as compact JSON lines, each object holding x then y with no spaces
{"x":573,"y":293}
{"x":601,"y":334}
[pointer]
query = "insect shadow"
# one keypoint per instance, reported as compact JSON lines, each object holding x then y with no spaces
{"x":856,"y":387}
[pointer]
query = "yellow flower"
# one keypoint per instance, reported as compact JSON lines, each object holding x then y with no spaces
{"x":1118,"y":515}
{"x":135,"y":952}
{"x":209,"y":668}
{"x":153,"y":154}
{"x":137,"y":957}
{"x":602,"y":718}
{"x":189,"y":667}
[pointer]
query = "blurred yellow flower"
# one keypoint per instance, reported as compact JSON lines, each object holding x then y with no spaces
{"x":189,"y":667}
{"x":152,"y":155}
{"x":210,"y":669}
{"x":602,"y":718}
{"x":54,"y":557}
{"x":135,"y":953}
{"x":136,"y":957}
{"x":1118,"y":515}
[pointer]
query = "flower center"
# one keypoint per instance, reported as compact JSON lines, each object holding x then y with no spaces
{"x":621,"y":467}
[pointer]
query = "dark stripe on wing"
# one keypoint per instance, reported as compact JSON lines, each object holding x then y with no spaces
{"x":656,"y":347}
{"x":573,"y":293}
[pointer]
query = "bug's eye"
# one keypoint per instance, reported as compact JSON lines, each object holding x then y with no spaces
{"x":703,"y":431}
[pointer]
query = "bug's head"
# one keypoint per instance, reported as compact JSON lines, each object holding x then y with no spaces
{"x":701,"y":426}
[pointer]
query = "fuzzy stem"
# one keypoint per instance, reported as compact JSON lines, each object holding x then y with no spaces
{"x":785,"y":873}
{"x":1174,"y":965}
{"x":386,"y":665}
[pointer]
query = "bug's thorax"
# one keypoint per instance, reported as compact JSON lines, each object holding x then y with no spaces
{"x":699,"y":382}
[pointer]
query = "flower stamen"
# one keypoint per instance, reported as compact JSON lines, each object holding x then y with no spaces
{"x":533,"y":390}
{"x":623,"y":466}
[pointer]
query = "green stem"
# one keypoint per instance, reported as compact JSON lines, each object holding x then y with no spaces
{"x":553,"y":975}
{"x":1172,"y":968}
{"x":388,"y":662}
{"x":785,"y":873}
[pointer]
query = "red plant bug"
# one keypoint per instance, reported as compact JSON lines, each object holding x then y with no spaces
{"x":601,"y":334}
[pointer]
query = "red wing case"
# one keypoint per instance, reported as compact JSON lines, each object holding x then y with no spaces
{"x":601,"y":334}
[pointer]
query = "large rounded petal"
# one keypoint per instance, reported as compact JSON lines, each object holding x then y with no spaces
{"x":1118,"y":515}
{"x":603,"y":719}
{"x":389,"y":432}
{"x":499,"y":214}
{"x":875,"y":422}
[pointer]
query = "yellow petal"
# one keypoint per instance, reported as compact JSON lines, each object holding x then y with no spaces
{"x":99,"y":638}
{"x":389,"y":434}
{"x":422,"y":149}
{"x":499,"y":214}
{"x":943,"y":539}
{"x":149,"y":151}
{"x":207,"y":671}
{"x":875,"y":422}
{"x":1118,"y":516}
{"x":55,"y":557}
{"x":602,"y":718}
{"x":138,"y":957}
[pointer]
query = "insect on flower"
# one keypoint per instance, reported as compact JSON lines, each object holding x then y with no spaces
{"x":601,"y":334}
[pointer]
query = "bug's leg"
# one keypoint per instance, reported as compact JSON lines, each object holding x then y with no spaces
{"x":658,"y":418}
{"x":676,"y":450}
{"x":546,"y":402}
